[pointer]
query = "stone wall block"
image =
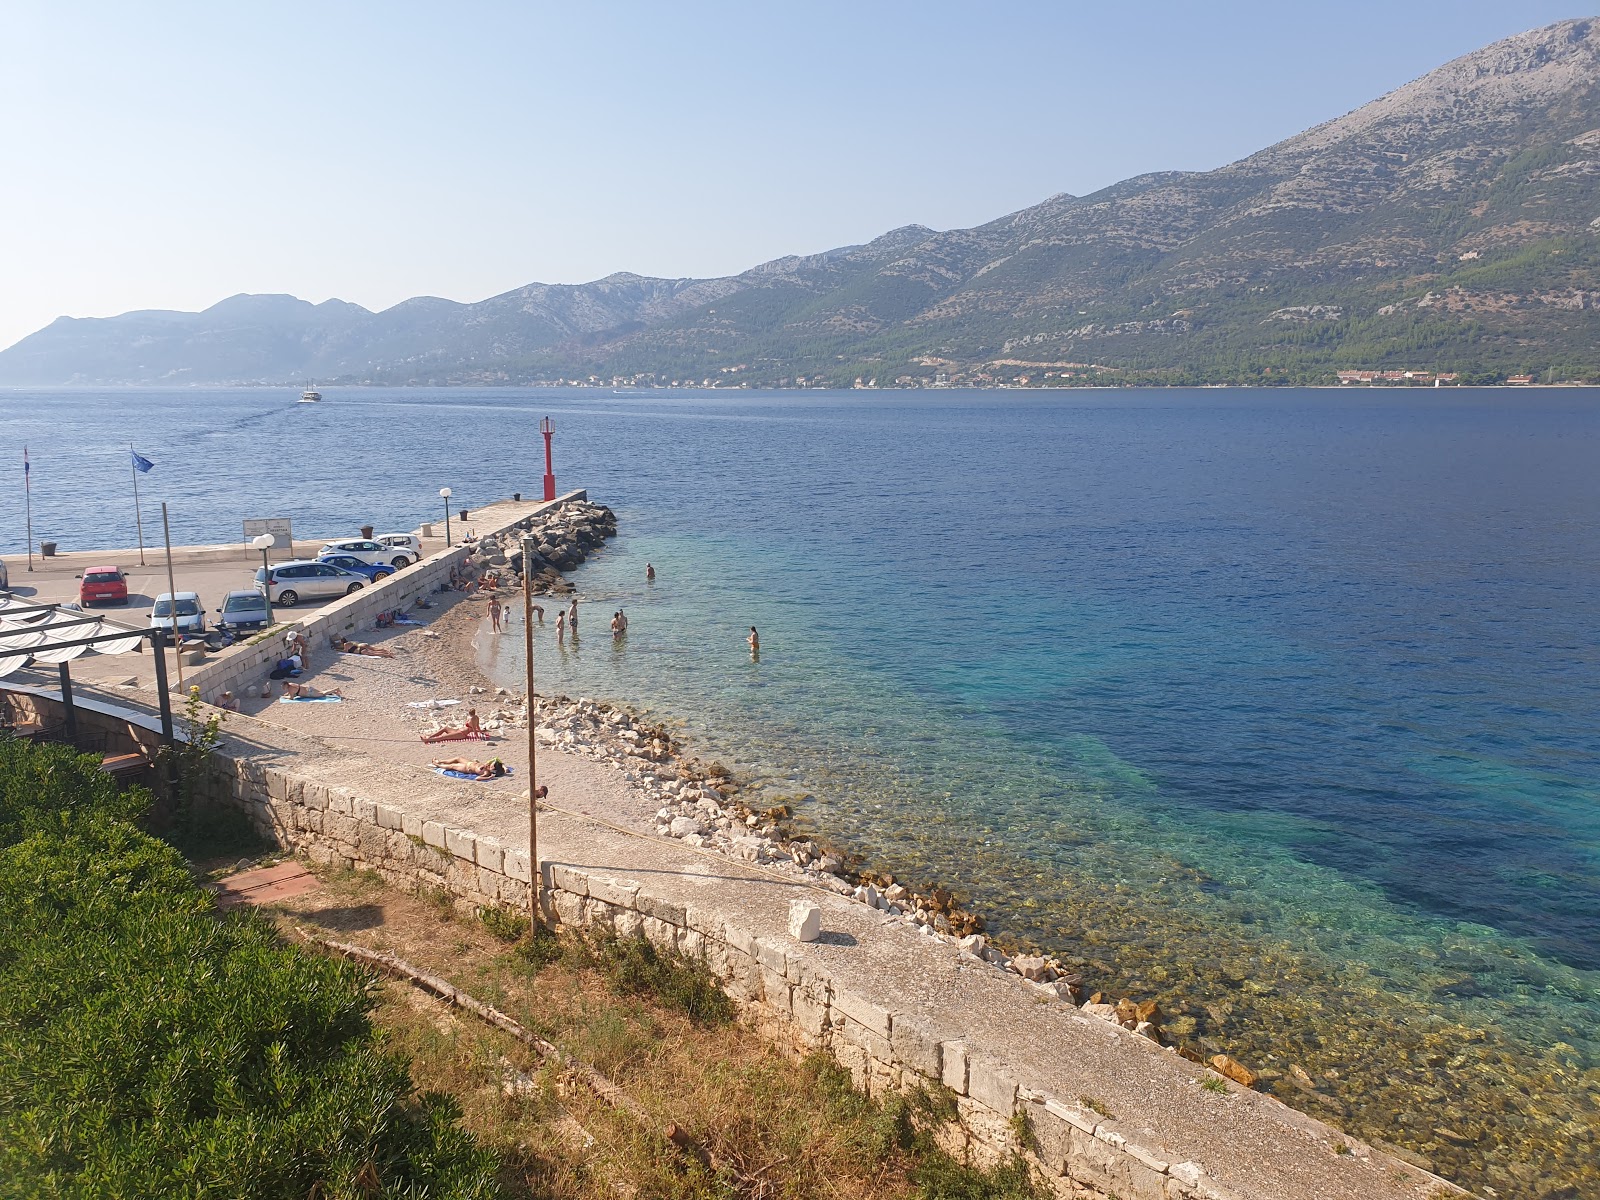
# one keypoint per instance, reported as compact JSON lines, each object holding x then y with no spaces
{"x":373,"y":843}
{"x":491,"y":856}
{"x":953,"y":1067}
{"x":991,"y":1085}
{"x":916,"y":1048}
{"x":706,"y":922}
{"x":568,"y":879}
{"x":1096,"y":1163}
{"x":339,"y":801}
{"x":366,"y":811}
{"x":805,"y":971}
{"x":1077,"y":1117}
{"x":411,"y":825}
{"x":627,"y":923}
{"x":489,"y":882}
{"x":516,"y":866}
{"x":388,"y":818}
{"x":773,"y":958}
{"x":620,"y":893}
{"x":810,"y":1014}
{"x":855,"y":1034}
{"x":1052,"y":1136}
{"x":569,"y":908}
{"x":693,"y":944}
{"x":740,"y":941}
{"x":669,"y":911}
{"x":462,"y":844}
{"x":434,"y":834}
{"x":775,"y":991}
{"x":868,"y":1016}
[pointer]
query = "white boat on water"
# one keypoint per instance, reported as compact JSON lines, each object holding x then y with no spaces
{"x":310,"y":395}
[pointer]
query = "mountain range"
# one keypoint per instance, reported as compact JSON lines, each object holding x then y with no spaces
{"x":1450,"y":225}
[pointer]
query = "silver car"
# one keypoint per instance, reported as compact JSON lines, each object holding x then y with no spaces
{"x":289,"y":583}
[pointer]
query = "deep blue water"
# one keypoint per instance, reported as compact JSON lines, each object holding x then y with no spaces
{"x":1333,"y":654}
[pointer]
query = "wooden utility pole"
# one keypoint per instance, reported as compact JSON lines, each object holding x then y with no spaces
{"x":535,"y":878}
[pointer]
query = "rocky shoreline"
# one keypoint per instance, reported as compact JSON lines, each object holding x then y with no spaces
{"x":699,"y":803}
{"x":1396,"y":1073}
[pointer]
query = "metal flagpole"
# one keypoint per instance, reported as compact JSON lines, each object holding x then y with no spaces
{"x":535,"y":877}
{"x":172,"y":593}
{"x":138,"y":519}
{"x":27,"y":490}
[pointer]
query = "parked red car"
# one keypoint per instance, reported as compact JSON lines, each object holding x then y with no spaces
{"x":105,"y":585}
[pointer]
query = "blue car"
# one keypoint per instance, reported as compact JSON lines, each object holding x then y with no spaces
{"x":373,"y":571}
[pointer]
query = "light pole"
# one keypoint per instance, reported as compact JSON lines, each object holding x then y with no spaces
{"x":445,"y":493}
{"x":263,"y":543}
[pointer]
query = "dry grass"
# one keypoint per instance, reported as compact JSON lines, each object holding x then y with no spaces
{"x":774,"y":1127}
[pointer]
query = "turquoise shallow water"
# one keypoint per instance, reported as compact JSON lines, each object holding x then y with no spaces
{"x":1280,"y":706}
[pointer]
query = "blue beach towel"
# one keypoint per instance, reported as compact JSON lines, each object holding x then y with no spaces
{"x":408,"y":621}
{"x":449,"y":774}
{"x":309,"y":699}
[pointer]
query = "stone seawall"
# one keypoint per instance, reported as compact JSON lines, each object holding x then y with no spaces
{"x":243,"y":665}
{"x":1100,"y":1111}
{"x":1086,"y":1151}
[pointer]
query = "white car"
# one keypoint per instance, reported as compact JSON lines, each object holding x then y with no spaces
{"x":409,"y":542}
{"x":374,"y":554}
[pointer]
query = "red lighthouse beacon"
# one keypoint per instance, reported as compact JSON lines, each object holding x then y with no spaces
{"x":548,"y":428}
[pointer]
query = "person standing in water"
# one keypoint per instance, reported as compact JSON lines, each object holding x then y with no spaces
{"x":755,"y":644}
{"x":623,"y":617}
{"x":572,"y":617}
{"x":616,"y":626}
{"x":561,"y":627}
{"x":649,"y":573}
{"x":494,"y":613}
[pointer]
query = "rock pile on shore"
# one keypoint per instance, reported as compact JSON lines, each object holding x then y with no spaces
{"x":700,"y":805}
{"x":563,"y":537}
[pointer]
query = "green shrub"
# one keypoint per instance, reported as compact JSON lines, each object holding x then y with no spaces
{"x":149,"y":1048}
{"x":506,"y":924}
{"x":45,"y":788}
{"x":633,"y":966}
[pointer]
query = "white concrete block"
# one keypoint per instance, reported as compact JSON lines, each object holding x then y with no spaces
{"x":805,"y":920}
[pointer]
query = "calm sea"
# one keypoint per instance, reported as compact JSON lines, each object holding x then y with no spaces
{"x":1279,"y":706}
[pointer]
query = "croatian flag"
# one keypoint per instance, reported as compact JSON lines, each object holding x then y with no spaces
{"x":140,"y":462}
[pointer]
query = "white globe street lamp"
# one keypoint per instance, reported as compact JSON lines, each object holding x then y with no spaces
{"x":263,"y":543}
{"x":445,"y":493}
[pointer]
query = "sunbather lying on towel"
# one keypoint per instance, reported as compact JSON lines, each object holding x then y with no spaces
{"x":304,"y":691}
{"x":470,"y":728}
{"x":346,"y":646}
{"x":478,"y":770}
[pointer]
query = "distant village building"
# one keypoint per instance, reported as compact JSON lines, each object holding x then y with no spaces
{"x":1519,"y":379}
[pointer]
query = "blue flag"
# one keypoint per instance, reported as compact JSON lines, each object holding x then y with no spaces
{"x":140,"y":462}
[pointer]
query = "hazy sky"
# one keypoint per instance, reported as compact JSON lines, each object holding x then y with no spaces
{"x":166,"y":155}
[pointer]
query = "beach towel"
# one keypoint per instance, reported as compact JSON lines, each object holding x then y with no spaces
{"x":448,"y":773}
{"x":408,"y":621}
{"x":431,"y":703}
{"x":309,"y":699}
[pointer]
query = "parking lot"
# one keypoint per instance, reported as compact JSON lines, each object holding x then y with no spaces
{"x":211,"y":571}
